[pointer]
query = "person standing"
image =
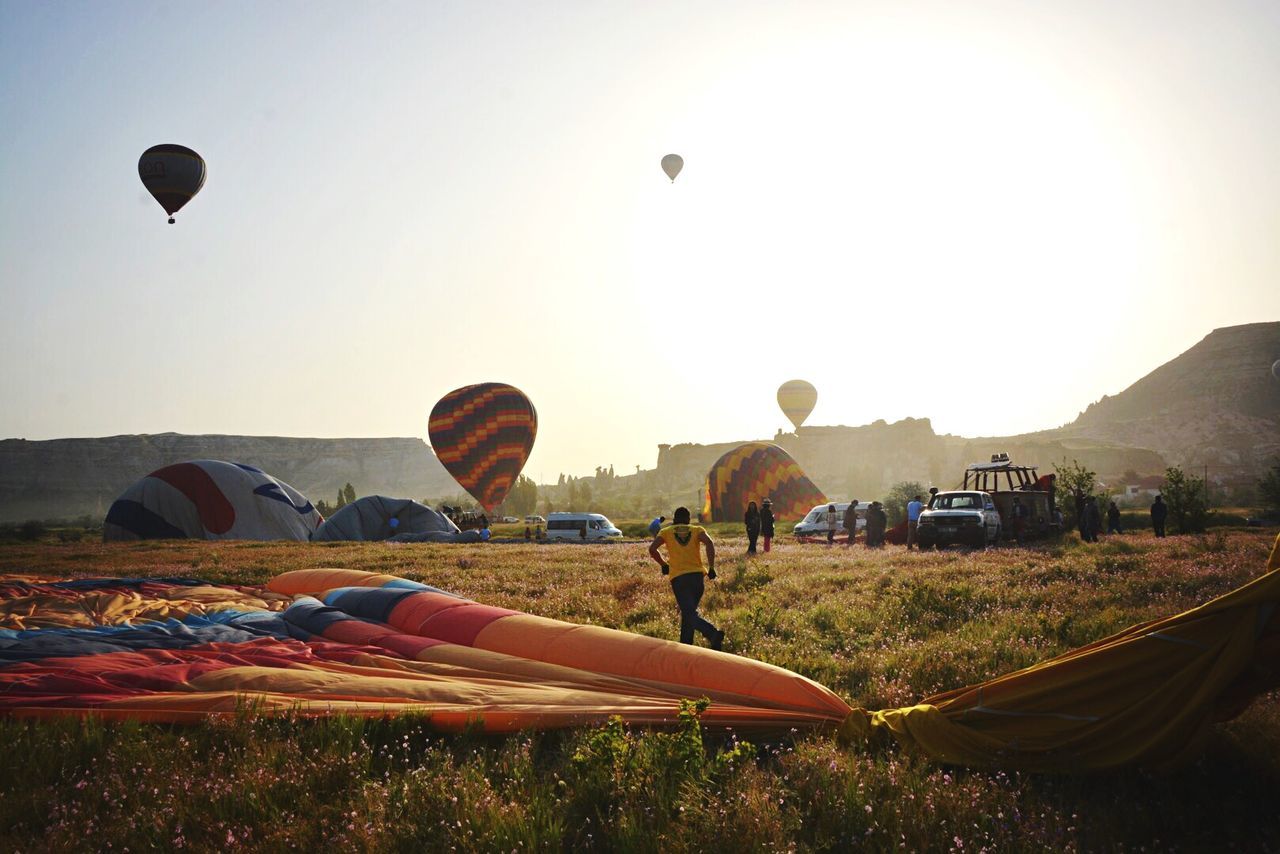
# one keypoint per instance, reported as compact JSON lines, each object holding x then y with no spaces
{"x":1159,"y":512}
{"x":684,"y":543}
{"x":1093,"y":519}
{"x":1019,"y":513}
{"x":752,"y":520}
{"x":766,"y":523}
{"x":832,"y":522}
{"x":877,"y":521}
{"x":850,"y":521}
{"x":913,"y":521}
{"x":656,"y":525}
{"x":1113,"y":519}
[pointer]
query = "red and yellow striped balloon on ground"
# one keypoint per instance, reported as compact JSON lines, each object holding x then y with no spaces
{"x":483,"y":434}
{"x":753,"y":472}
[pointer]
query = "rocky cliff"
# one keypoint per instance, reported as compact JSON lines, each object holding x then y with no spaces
{"x":1217,"y":405}
{"x":66,"y":478}
{"x":867,"y":460}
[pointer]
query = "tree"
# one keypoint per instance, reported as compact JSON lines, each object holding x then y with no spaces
{"x":341,"y":502}
{"x":1269,"y":488}
{"x":1184,"y":493}
{"x":1076,"y":483}
{"x":584,"y":495}
{"x":349,"y":493}
{"x":895,"y":502}
{"x":523,"y":498}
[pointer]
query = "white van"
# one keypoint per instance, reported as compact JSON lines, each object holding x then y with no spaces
{"x":580,"y":526}
{"x":814,"y":523}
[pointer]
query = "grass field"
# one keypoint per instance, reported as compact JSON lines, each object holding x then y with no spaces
{"x":881,"y":628}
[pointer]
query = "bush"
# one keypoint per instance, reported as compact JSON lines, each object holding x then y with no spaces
{"x":1185,"y":495}
{"x":31,"y":530}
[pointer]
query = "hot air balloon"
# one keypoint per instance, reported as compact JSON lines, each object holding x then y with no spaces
{"x":796,"y":398}
{"x":672,"y":164}
{"x":483,"y":434}
{"x":173,"y":174}
{"x":753,"y":472}
{"x":210,"y":500}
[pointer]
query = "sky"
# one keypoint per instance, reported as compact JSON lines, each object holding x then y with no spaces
{"x":988,"y":214}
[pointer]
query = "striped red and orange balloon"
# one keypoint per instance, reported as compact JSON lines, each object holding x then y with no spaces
{"x":483,"y":435}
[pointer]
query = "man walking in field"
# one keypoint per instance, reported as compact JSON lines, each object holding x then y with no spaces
{"x":684,"y":543}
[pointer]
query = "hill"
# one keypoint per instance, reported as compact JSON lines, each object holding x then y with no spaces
{"x":867,"y":460}
{"x":1215,"y":405}
{"x":66,"y":478}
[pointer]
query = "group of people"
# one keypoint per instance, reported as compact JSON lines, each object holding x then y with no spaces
{"x":759,"y":524}
{"x":877,"y":522}
{"x":1089,"y":517}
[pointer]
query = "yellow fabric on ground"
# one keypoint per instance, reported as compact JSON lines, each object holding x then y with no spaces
{"x":112,"y":608}
{"x":1144,"y":695}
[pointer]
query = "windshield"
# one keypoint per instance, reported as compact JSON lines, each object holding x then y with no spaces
{"x":958,"y":501}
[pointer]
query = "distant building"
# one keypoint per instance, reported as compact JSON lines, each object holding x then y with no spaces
{"x":1142,"y":489}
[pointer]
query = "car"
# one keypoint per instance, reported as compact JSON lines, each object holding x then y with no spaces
{"x":962,"y":517}
{"x":581,"y":526}
{"x":534,"y":520}
{"x":814,"y":523}
{"x":509,"y":520}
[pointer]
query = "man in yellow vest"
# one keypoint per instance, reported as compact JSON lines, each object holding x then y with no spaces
{"x":684,"y":544}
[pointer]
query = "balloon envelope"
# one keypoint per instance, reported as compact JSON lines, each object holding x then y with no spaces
{"x":797,"y":398}
{"x":672,"y":164}
{"x":753,"y":472}
{"x":173,"y":174}
{"x":483,"y":434}
{"x":210,"y":500}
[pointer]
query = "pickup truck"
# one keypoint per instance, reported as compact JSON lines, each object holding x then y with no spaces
{"x":967,"y":518}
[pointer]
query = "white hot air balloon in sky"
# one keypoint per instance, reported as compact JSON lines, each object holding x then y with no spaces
{"x":672,"y":164}
{"x":797,"y":398}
